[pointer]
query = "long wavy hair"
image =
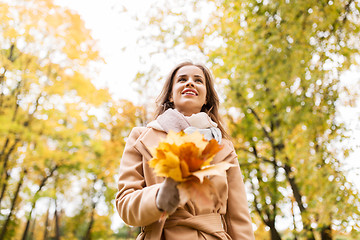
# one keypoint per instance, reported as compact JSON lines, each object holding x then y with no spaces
{"x":212,"y":100}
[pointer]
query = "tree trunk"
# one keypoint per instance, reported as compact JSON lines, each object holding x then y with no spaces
{"x":3,"y":170}
{"x":293,"y":218}
{"x":273,"y":232}
{"x":296,"y":192}
{"x":57,"y":225}
{"x":326,"y":233}
{"x":13,"y":203}
{"x":32,"y":229}
{"x":2,"y":79}
{"x":2,"y":76}
{"x":28,"y":223}
{"x":91,"y":223}
{"x":6,"y":156}
{"x":4,"y":147}
{"x":266,"y":218}
{"x":309,"y":234}
{"x":4,"y":186}
{"x":47,"y":222}
{"x":42,"y":184}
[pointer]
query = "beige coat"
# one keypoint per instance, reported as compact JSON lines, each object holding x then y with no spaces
{"x":138,"y":187}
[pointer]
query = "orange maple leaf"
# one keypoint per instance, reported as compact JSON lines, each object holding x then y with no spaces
{"x":186,"y":159}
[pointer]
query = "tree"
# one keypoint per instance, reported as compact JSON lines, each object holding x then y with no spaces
{"x":282,"y":62}
{"x":49,"y":132}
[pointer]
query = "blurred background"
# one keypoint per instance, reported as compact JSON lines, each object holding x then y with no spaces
{"x":76,"y":77}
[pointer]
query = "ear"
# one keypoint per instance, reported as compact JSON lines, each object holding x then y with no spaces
{"x":171,"y":99}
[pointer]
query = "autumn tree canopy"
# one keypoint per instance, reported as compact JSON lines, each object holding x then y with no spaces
{"x":60,"y":137}
{"x":280,"y":63}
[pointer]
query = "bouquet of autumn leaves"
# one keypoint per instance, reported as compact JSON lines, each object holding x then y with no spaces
{"x":186,"y":158}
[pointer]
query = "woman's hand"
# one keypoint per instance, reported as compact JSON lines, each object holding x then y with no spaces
{"x":167,"y":199}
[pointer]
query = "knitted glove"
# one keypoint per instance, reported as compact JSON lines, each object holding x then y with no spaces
{"x":167,"y":198}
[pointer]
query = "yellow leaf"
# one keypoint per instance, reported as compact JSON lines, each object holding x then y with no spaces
{"x":211,"y":170}
{"x":204,"y":195}
{"x":181,"y":155}
{"x":189,"y":154}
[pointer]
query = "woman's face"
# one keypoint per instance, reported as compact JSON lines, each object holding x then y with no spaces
{"x":189,"y":90}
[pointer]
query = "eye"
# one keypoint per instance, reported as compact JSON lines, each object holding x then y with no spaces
{"x":182,"y":80}
{"x":199,"y":80}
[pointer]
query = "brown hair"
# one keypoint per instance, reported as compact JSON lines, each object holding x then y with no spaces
{"x":212,"y":100}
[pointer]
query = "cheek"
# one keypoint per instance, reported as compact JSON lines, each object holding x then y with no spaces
{"x":173,"y":92}
{"x":204,"y":93}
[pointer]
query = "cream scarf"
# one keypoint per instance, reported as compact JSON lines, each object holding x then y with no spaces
{"x":172,"y":119}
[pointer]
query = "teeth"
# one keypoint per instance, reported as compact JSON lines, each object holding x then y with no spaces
{"x":190,"y":93}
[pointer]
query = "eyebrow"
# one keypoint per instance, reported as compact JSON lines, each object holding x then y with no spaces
{"x":184,"y":75}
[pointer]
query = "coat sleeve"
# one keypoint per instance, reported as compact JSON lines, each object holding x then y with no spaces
{"x":135,"y":202}
{"x":237,"y":215}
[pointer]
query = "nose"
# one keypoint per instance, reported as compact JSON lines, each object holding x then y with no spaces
{"x":190,"y":82}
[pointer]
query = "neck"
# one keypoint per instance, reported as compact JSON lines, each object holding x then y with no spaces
{"x":187,"y":113}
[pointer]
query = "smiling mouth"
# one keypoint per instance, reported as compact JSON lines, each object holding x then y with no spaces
{"x":189,"y":92}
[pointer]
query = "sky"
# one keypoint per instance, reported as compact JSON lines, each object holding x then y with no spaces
{"x":113,"y":24}
{"x":116,"y":33}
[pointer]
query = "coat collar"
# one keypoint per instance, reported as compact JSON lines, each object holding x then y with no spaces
{"x":151,"y":138}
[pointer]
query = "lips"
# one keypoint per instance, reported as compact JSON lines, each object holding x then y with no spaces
{"x":189,"y":91}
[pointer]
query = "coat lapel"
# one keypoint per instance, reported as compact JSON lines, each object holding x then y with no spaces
{"x":224,"y":152}
{"x":149,"y":140}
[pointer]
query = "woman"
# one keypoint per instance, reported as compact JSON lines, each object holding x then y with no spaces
{"x":187,"y":102}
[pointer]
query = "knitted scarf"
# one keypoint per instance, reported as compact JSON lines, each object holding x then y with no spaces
{"x":173,"y":120}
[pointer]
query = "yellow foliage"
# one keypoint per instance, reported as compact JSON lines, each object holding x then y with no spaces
{"x":180,"y":155}
{"x":186,"y":159}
